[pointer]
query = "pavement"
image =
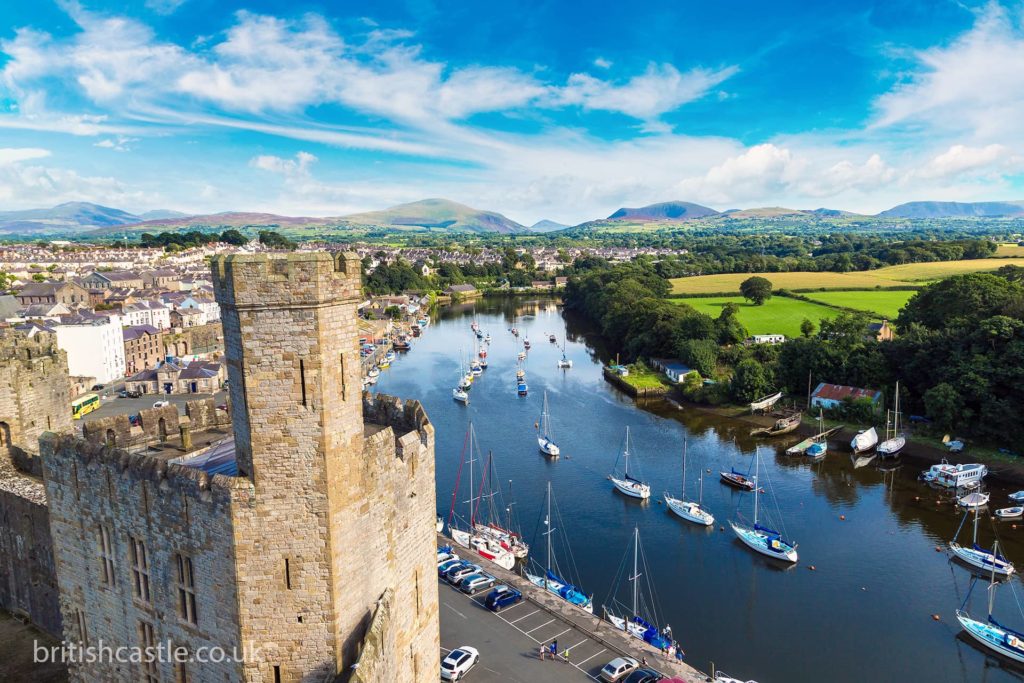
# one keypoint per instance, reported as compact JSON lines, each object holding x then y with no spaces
{"x":112,"y":405}
{"x":509,"y":641}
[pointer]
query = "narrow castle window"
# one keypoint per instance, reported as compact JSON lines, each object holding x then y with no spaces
{"x":140,"y":569}
{"x":147,"y":640}
{"x":287,"y":574}
{"x":186,"y":589}
{"x":106,"y":556}
{"x":83,"y":631}
{"x":341,"y":361}
{"x":277,"y":673}
{"x":302,"y":380}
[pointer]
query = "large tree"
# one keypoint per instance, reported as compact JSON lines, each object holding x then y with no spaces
{"x":756,"y":289}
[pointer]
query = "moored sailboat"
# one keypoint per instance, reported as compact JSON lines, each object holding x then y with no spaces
{"x":551,"y":579}
{"x":627,"y":483}
{"x":633,"y":622}
{"x":979,"y":557}
{"x":895,"y":440}
{"x":764,"y":540}
{"x":545,"y":443}
{"x":991,"y":634}
{"x":687,"y":509}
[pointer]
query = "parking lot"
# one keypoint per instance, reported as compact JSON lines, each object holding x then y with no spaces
{"x":509,"y":641}
{"x":112,"y":405}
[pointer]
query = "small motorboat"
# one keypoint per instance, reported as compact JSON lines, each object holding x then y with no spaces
{"x":551,"y":338}
{"x":487,"y":339}
{"x":522,"y":389}
{"x":374,"y":372}
{"x":734,"y":478}
{"x":520,"y":375}
{"x":526,"y":343}
{"x":564,"y":363}
{"x":515,"y":332}
{"x":959,"y":476}
{"x":483,"y":363}
{"x":402,"y":344}
{"x":476,"y":368}
{"x":1017,"y":497}
{"x":460,"y":395}
{"x":389,"y":356}
{"x":522,"y":355}
{"x":384,"y":363}
{"x":973,"y":500}
{"x":1010,"y":513}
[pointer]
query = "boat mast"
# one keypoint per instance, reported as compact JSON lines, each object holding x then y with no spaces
{"x":684,"y":470}
{"x":757,"y":470}
{"x":549,"y":536}
{"x":472,"y":508}
{"x":636,"y":575}
{"x":625,"y":453}
{"x":992,"y":582}
{"x":975,"y":541}
{"x":700,"y":498}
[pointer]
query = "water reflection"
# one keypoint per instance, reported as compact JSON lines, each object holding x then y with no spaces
{"x":863,"y":613}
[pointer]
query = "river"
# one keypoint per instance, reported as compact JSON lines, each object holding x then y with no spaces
{"x":863,"y":613}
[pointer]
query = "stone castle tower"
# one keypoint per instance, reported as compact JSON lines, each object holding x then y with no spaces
{"x":319,"y":552}
{"x":35,"y":392}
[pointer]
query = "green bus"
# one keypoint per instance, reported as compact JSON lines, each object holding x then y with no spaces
{"x":84,"y":404}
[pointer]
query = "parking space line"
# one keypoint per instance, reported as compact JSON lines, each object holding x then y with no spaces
{"x":523,"y":617}
{"x":579,"y":643}
{"x":537,"y":627}
{"x":559,"y":634}
{"x":581,"y":663}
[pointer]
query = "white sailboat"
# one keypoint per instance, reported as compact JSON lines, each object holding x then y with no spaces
{"x":460,"y":395}
{"x":486,"y":547}
{"x":488,"y":524}
{"x":626,"y":483}
{"x":564,"y":362}
{"x":687,"y":509}
{"x":865,"y":440}
{"x":895,"y":440}
{"x":552,"y":580}
{"x":819,"y":443}
{"x":763,"y":539}
{"x":991,"y":634}
{"x":979,"y":557}
{"x":634,"y":624}
{"x":544,"y":441}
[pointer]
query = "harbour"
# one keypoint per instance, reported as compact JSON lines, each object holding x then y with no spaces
{"x":873,"y":572}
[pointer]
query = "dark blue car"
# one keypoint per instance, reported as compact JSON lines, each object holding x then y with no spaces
{"x":502,"y":597}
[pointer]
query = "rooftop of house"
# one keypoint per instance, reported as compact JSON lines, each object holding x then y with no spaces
{"x":136,"y":331}
{"x":839,"y":392}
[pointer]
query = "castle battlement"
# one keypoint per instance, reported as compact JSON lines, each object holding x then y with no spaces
{"x":289,"y":280}
{"x":17,"y":347}
{"x":60,"y":451}
{"x":402,"y":416}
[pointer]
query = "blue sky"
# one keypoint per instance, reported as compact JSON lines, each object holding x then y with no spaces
{"x":561,"y":110}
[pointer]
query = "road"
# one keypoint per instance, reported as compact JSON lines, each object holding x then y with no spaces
{"x":509,"y":642}
{"x":112,"y":405}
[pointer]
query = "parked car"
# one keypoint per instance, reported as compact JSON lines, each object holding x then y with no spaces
{"x":98,"y":387}
{"x":457,"y":574}
{"x":443,"y":567}
{"x":123,"y":393}
{"x":161,"y":404}
{"x":458,"y":663}
{"x":133,"y":394}
{"x":443,"y":555}
{"x":502,"y":597}
{"x":474,"y":583}
{"x":644,"y":676}
{"x":618,"y":668}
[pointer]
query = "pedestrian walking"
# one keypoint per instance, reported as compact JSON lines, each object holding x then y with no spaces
{"x":679,"y":652}
{"x":554,"y":648}
{"x":543,"y":649}
{"x":565,"y":655}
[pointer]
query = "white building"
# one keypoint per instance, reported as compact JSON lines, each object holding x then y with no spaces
{"x":151,"y":313}
{"x":95,"y":347}
{"x":768,"y":339}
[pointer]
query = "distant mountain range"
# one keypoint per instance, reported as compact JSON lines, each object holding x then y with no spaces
{"x":547,"y":226}
{"x":441,"y":215}
{"x":663,"y":211}
{"x":955,"y":209}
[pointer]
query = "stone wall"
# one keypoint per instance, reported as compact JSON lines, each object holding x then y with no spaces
{"x":173,"y":509}
{"x":28,"y":580}
{"x":35,"y":392}
{"x":154,"y":425}
{"x":203,"y":414}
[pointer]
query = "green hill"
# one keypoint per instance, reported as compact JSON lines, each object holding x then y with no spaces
{"x":438,"y":214}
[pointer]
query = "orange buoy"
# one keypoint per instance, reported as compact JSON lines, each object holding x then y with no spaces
{"x":938,"y":549}
{"x":842,"y":518}
{"x":811,"y":567}
{"x":936,"y":617}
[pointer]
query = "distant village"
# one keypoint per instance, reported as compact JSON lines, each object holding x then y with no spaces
{"x":148,"y":317}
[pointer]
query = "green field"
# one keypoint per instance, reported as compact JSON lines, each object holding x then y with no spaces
{"x":883,"y":303}
{"x":890,"y":276}
{"x":779,"y":315}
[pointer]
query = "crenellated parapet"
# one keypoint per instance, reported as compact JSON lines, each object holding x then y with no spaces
{"x":286,"y":280}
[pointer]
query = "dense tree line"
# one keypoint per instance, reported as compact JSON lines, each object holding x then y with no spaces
{"x":176,"y":241}
{"x":959,"y":355}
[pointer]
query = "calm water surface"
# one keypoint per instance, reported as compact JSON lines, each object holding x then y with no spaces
{"x":863,"y":614}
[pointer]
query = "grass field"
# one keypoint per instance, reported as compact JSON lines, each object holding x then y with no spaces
{"x":890,"y":276}
{"x":779,"y":315}
{"x":1010,"y":250}
{"x":883,"y":303}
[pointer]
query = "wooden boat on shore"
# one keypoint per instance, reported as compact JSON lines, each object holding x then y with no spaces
{"x":765,"y":403}
{"x":784,"y":425}
{"x":802,"y":447}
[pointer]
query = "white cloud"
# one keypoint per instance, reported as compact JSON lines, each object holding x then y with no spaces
{"x":119,"y":143}
{"x":299,"y":166}
{"x":164,"y":6}
{"x":602,"y":63}
{"x":28,"y":186}
{"x":974,"y":85}
{"x":660,"y":89}
{"x":961,"y":159}
{"x":12,"y":155}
